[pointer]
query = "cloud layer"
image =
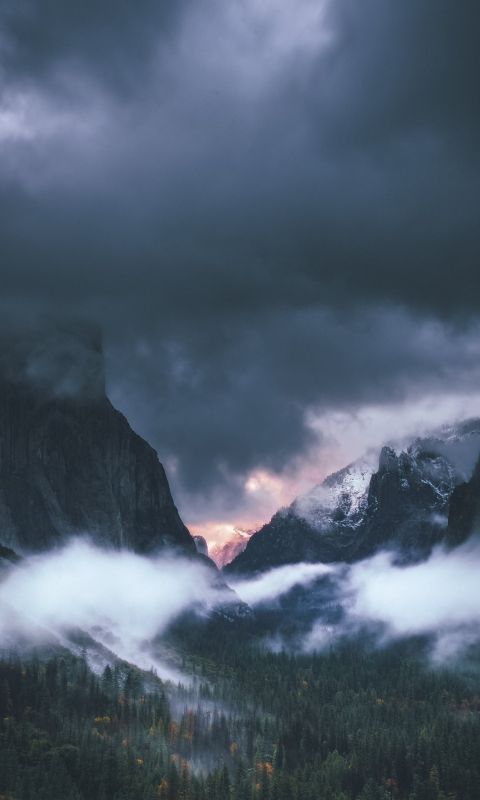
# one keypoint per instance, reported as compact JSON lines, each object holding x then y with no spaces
{"x":123,"y":600}
{"x":276,"y":582}
{"x":271,"y":207}
{"x":438,"y":598}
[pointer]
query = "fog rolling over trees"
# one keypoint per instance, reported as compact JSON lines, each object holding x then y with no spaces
{"x":243,"y":717}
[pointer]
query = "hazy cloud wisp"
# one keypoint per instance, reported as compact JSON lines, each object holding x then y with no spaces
{"x":123,"y":600}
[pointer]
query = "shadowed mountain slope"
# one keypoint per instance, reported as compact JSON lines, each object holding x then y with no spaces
{"x":69,"y":462}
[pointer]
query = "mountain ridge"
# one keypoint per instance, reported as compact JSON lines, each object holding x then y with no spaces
{"x":70,"y":464}
{"x":403,"y":503}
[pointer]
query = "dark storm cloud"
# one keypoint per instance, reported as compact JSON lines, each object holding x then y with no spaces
{"x":397,"y":67}
{"x":108,"y":39}
{"x":268,"y":217}
{"x":231,"y":395}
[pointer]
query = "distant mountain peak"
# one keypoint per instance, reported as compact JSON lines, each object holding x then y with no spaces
{"x":223,"y":554}
{"x":343,"y":491}
{"x":201,"y":545}
{"x":398,"y":497}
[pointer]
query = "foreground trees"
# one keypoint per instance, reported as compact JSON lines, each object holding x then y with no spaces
{"x":254,"y":726}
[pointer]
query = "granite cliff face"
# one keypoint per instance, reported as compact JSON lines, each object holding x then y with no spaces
{"x":69,"y":462}
{"x":464,"y":515}
{"x":400,"y":500}
{"x":407,"y":502}
{"x":201,"y":545}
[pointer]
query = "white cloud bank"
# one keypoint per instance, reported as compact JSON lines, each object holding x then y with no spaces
{"x":441,"y":593}
{"x":439,"y":597}
{"x":272,"y":584}
{"x":123,"y":600}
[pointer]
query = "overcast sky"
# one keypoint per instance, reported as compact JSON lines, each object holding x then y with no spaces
{"x":272,"y":208}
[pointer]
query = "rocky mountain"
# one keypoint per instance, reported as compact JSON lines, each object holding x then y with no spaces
{"x":399,"y":499}
{"x":7,"y":557}
{"x":201,"y":545}
{"x":224,"y":554}
{"x":464,"y":513}
{"x":69,"y":462}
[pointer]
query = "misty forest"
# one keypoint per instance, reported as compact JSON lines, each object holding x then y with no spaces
{"x":335,"y":655}
{"x":239,"y":400}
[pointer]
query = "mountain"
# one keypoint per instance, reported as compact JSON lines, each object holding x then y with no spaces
{"x":400,"y":499}
{"x":7,"y":557}
{"x":201,"y":545}
{"x":224,"y":554}
{"x":69,"y":462}
{"x":464,"y":514}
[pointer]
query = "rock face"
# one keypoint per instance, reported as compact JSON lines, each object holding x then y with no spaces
{"x":201,"y":545}
{"x":224,"y":554}
{"x":69,"y":462}
{"x":407,"y":502}
{"x":464,"y":516}
{"x":7,"y":556}
{"x":402,"y":501}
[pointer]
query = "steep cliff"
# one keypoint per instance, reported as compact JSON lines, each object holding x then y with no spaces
{"x":464,"y":515}
{"x":69,"y":462}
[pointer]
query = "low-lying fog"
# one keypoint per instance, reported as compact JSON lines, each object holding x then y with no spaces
{"x":125,"y":600}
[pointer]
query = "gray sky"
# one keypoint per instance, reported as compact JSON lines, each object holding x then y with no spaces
{"x":271,"y":207}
